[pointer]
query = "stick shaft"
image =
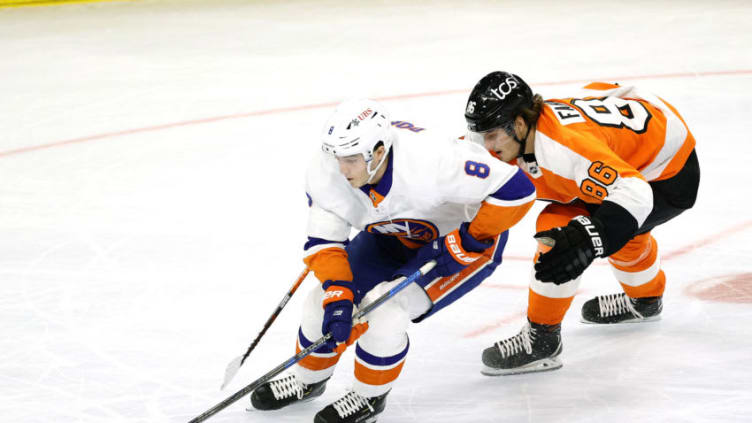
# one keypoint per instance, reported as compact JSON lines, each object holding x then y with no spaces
{"x":304,"y":353}
{"x":276,"y":313}
{"x":260,"y":381}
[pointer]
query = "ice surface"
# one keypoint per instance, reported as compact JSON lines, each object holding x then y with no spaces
{"x":152,"y":212}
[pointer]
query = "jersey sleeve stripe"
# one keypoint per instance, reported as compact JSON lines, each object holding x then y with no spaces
{"x":315,"y":245}
{"x":510,"y":203}
{"x":676,"y":136}
{"x":677,"y":162}
{"x":566,"y":162}
{"x":317,"y":248}
{"x":634,"y":195}
{"x":515,"y":188}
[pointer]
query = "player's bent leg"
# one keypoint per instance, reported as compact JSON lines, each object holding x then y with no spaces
{"x":308,"y":377}
{"x":380,"y":353}
{"x":637,"y":264}
{"x":537,"y":346}
{"x":548,"y":302}
{"x":637,"y":267}
{"x":320,"y":364}
{"x":379,"y":356}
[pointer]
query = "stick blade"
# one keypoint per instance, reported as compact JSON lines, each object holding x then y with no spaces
{"x":231,"y":371}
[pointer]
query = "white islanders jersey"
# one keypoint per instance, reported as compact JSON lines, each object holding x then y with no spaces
{"x":432,"y":185}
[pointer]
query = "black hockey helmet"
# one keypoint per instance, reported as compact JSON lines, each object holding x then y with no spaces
{"x":495,"y":101}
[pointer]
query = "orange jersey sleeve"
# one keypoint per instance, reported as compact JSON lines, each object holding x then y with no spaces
{"x":325,"y":251}
{"x":492,"y":220}
{"x":329,"y":264}
{"x":504,"y":208}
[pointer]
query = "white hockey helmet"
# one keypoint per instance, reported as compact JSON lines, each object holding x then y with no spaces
{"x":357,"y":126}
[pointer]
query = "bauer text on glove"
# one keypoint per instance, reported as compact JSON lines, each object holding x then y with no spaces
{"x":575,"y":247}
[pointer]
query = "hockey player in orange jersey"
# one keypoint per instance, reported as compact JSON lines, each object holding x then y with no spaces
{"x":614,"y":163}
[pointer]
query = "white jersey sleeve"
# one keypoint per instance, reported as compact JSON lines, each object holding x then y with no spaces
{"x":470,"y":174}
{"x":327,"y":231}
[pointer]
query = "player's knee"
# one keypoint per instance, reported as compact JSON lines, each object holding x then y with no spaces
{"x":389,"y":320}
{"x":637,"y":249}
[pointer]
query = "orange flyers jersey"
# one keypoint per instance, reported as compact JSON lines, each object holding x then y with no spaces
{"x":606,"y":145}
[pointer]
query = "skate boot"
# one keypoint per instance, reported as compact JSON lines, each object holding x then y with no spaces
{"x":352,"y":408}
{"x":619,"y":308}
{"x":279,"y":393}
{"x":534,"y":349}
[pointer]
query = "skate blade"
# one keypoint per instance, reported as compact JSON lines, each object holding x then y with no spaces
{"x":543,"y":365}
{"x":634,"y":320}
{"x":252,"y":409}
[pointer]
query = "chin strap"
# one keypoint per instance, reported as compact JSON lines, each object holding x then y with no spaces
{"x":527,"y":161}
{"x":523,"y":141}
{"x":372,"y":173}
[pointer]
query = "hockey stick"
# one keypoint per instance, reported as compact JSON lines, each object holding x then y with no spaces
{"x":299,"y":356}
{"x":234,"y":365}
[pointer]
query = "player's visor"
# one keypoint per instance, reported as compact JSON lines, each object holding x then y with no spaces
{"x":477,"y":138}
{"x":480,"y":137}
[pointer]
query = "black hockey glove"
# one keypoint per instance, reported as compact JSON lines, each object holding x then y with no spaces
{"x":575,"y":247}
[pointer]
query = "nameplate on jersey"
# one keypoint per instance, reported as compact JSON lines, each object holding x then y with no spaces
{"x":565,"y":113}
{"x":419,"y":230}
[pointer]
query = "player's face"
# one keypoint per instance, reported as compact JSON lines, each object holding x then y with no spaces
{"x":354,"y":169}
{"x":502,"y":144}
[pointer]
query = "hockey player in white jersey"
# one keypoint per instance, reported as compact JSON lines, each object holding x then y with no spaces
{"x":414,"y":196}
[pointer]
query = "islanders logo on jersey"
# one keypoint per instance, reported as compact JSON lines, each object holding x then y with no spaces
{"x":414,"y":229}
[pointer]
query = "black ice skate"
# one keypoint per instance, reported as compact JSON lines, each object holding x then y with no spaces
{"x":279,"y":393}
{"x":352,"y":408}
{"x":619,"y":308}
{"x":534,"y":349}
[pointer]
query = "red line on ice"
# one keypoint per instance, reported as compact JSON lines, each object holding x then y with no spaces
{"x":708,"y":240}
{"x":115,"y":134}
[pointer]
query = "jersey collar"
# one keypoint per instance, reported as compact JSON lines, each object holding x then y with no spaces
{"x":377,"y":192}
